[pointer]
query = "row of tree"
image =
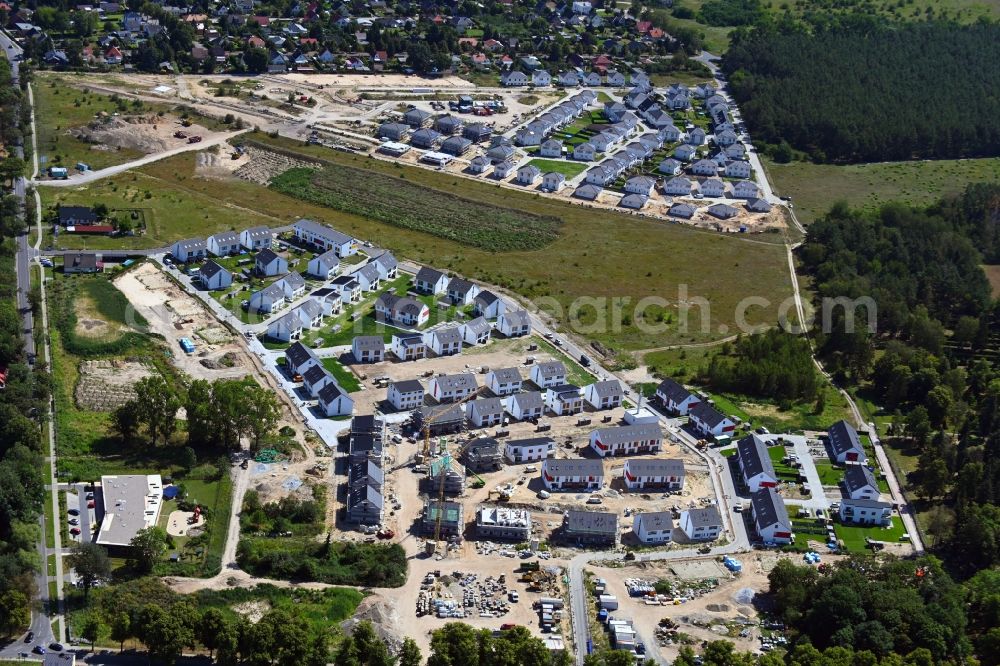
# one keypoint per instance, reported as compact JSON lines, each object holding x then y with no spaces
{"x":220,"y":413}
{"x":22,"y":401}
{"x":857,"y":88}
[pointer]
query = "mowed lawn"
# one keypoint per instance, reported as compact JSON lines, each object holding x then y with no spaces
{"x":853,"y":536}
{"x":569,"y":169}
{"x":598,"y":255}
{"x":814,"y":188}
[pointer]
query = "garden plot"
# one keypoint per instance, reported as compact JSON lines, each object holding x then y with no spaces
{"x":105,"y":385}
{"x":261,"y":166}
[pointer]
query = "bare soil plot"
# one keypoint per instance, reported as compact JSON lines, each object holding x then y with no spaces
{"x":174,"y":314}
{"x":105,"y":385}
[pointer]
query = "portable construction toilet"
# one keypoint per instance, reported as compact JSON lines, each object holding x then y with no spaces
{"x":81,"y":166}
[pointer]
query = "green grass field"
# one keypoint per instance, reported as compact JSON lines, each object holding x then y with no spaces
{"x":854,"y":536}
{"x":599,"y":255}
{"x":171,"y":210}
{"x":396,"y":201}
{"x":344,"y":377}
{"x":814,"y":188}
{"x":568,"y":169}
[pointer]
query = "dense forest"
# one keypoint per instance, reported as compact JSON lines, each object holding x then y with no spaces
{"x":860,"y":89}
{"x":931,"y":361}
{"x":772,"y":364}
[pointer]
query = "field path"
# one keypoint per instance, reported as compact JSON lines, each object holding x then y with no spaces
{"x":91,"y":176}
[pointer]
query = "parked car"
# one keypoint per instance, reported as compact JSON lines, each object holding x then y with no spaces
{"x":90,"y":504}
{"x":38,"y":649}
{"x":74,"y":521}
{"x":56,"y":646}
{"x":30,"y":637}
{"x":75,"y":531}
{"x":74,"y":512}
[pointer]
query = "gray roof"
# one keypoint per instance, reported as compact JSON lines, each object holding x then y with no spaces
{"x":629,"y":433}
{"x":657,"y":520}
{"x":608,"y":388}
{"x":549,"y":369}
{"x":681,"y":210}
{"x":844,"y":438}
{"x":447,"y":335}
{"x":456,"y":382}
{"x":329,"y":257}
{"x":517,"y":318}
{"x":266,"y":256}
{"x":722,"y":210}
{"x":209,"y":269}
{"x":483,"y":446}
{"x":655,"y":466}
{"x":507,"y":375}
{"x":368,"y":342}
{"x":633,"y":201}
{"x":408,"y":386}
{"x":574,"y":467}
{"x":460,"y":286}
{"x":429,"y":275}
{"x":592,"y":521}
{"x":530,"y":442}
{"x":769,"y":508}
{"x":346,"y":281}
{"x":257,"y":233}
{"x":455,"y":144}
{"x":370,"y":272}
{"x":529,"y":400}
{"x":858,"y":476}
{"x":293,"y":280}
{"x":451,"y":412}
{"x":478,"y":325}
{"x":125,"y":504}
{"x":362,"y":493}
{"x":673,"y":390}
{"x":298,"y":353}
{"x":588,"y":192}
{"x":705,"y":517}
{"x":754,"y":457}
{"x":315,"y":374}
{"x":408,"y":339}
{"x":486,"y":297}
{"x":191,"y":244}
{"x":273,"y":290}
{"x":386,"y":260}
{"x":329,"y":393}
{"x":564,"y":390}
{"x":331,"y":234}
{"x":225,"y":237}
{"x":488,"y":405}
{"x":705,"y":413}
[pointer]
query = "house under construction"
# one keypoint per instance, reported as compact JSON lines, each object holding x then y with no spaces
{"x":450,"y":469}
{"x":451,"y":517}
{"x":501,"y":522}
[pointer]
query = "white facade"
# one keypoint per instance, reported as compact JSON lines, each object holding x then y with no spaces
{"x":653,"y":527}
{"x":529,"y":450}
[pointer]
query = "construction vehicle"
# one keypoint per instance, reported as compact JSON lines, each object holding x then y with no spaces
{"x":180,"y":135}
{"x":194,"y":139}
{"x":185,"y":123}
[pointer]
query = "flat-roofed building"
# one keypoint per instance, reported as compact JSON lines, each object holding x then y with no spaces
{"x":501,"y":522}
{"x":131,"y":502}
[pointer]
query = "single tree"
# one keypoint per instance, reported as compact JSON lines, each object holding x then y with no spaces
{"x":148,"y":546}
{"x":91,"y":564}
{"x":93,"y":629}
